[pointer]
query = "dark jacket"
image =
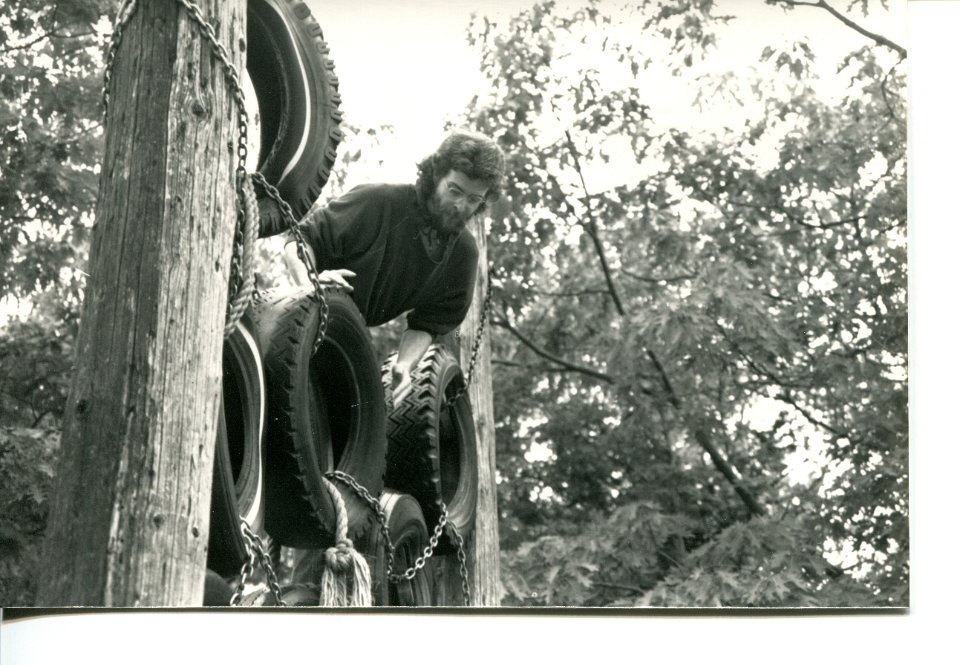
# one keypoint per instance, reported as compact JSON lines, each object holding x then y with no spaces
{"x":373,"y":231}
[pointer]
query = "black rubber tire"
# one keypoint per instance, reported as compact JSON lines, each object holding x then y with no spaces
{"x":408,"y":531}
{"x":237,"y":490}
{"x":289,"y":66}
{"x":431,"y":447}
{"x":325,"y":411}
{"x":216,"y":591}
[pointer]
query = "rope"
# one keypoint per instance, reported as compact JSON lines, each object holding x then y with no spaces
{"x":251,"y":227}
{"x":343,"y":564}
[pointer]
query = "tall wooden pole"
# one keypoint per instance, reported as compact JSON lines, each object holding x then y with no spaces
{"x":483,"y":546}
{"x":129,"y":518}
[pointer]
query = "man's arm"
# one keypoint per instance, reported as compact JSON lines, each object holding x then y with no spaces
{"x":413,"y":345}
{"x":300,"y":275}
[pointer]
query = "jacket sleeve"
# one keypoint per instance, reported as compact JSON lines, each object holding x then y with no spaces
{"x":444,"y":307}
{"x":344,"y":228}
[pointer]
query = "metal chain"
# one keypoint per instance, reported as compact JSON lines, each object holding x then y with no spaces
{"x":462,"y":558}
{"x":421,"y":561}
{"x":123,"y":17}
{"x":236,"y":87}
{"x":312,"y":273}
{"x":484,"y":312}
{"x":256,"y":552}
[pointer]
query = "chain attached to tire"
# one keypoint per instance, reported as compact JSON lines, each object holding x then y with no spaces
{"x":256,"y":553}
{"x":474,"y":354}
{"x":297,"y":234}
{"x":421,"y":561}
{"x":237,"y":279}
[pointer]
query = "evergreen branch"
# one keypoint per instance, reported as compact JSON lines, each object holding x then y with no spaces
{"x":822,"y":4}
{"x":557,"y":360}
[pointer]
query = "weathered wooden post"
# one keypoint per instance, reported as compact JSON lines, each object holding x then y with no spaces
{"x":483,"y":547}
{"x":129,"y":515}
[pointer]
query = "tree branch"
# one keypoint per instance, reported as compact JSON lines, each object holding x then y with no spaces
{"x":568,"y":294}
{"x":822,"y":4}
{"x":592,"y":230}
{"x":573,"y":367}
{"x":657,"y":280}
{"x":719,"y":461}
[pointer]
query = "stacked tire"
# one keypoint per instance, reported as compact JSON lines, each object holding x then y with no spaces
{"x":298,"y":101}
{"x":431,"y":449}
{"x":237,"y":490}
{"x":325,"y":412}
{"x":301,"y":378}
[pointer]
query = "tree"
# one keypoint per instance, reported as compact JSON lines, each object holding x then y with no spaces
{"x":50,"y":78}
{"x":684,"y":316}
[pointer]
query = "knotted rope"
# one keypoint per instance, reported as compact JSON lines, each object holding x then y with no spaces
{"x":343,"y":564}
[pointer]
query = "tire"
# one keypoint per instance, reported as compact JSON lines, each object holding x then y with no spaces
{"x":408,"y":531}
{"x":325,"y":411}
{"x":237,"y":490}
{"x":216,"y":591}
{"x":431,"y":447}
{"x":296,"y":91}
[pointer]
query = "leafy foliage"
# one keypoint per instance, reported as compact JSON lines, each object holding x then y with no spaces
{"x":696,"y":328}
{"x":27,"y":459}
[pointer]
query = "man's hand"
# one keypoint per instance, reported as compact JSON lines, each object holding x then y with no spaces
{"x":338,"y":278}
{"x":300,"y":274}
{"x":400,"y":382}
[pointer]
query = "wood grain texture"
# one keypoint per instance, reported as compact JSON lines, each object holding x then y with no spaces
{"x":128,"y":525}
{"x":483,"y":546}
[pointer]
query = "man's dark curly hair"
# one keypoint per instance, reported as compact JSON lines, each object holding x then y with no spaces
{"x":474,"y":155}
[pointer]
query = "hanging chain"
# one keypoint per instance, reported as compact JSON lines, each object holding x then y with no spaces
{"x":297,"y":233}
{"x":256,"y":553}
{"x":123,"y":17}
{"x":462,"y":558}
{"x":208,"y":32}
{"x":484,"y":312}
{"x":421,"y":561}
{"x":390,"y":550}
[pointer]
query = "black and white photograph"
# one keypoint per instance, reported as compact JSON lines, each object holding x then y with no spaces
{"x":499,"y":304}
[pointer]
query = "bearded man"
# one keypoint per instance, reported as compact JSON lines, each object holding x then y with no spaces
{"x":405,"y":248}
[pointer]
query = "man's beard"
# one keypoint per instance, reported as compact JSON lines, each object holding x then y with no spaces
{"x":446,"y":219}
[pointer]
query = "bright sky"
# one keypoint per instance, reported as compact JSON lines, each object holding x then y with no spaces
{"x":408,"y":64}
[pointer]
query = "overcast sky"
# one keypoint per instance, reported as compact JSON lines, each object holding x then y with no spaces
{"x":407,"y":63}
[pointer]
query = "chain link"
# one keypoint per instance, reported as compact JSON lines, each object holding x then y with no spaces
{"x":421,"y":561}
{"x":256,"y":553}
{"x":312,"y":273}
{"x":462,"y":558}
{"x":484,"y":312}
{"x":236,"y":87}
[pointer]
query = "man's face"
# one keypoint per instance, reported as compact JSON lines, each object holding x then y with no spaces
{"x":456,"y":199}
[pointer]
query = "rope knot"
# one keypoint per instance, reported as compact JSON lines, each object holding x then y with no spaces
{"x":339,"y":558}
{"x":345,"y":580}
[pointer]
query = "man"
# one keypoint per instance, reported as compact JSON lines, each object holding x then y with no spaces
{"x":405,"y":248}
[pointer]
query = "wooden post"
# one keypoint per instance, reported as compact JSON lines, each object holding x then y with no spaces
{"x":129,"y":518}
{"x":483,"y":547}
